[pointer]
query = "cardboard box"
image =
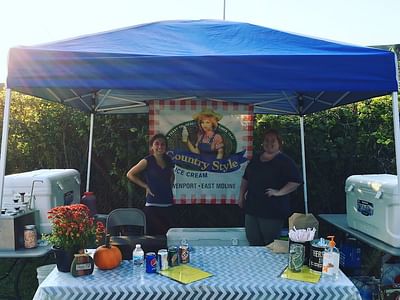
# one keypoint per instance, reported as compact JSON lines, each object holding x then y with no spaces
{"x":12,"y":229}
{"x":373,"y":206}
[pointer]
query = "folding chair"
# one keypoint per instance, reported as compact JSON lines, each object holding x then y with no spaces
{"x":119,"y":224}
{"x":124,"y":219}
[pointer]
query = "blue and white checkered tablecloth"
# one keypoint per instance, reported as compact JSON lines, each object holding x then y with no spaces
{"x":238,"y":273}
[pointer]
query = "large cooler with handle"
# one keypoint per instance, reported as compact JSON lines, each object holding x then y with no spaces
{"x":230,"y":236}
{"x":373,"y":206}
{"x":51,"y":187}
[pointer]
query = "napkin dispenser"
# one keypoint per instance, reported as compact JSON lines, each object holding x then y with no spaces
{"x":12,"y":228}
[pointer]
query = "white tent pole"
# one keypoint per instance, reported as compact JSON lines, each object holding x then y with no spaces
{"x":90,"y":152}
{"x":396,"y":125}
{"x":4,"y":143}
{"x":303,"y":161}
{"x":223,"y":15}
{"x":395,"y":108}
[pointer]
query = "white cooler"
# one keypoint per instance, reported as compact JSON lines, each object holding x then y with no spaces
{"x":230,"y":236}
{"x":373,"y":206}
{"x":52,"y":187}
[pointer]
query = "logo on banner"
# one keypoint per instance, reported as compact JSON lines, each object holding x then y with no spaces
{"x":203,"y":144}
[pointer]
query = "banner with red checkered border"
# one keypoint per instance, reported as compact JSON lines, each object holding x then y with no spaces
{"x":200,"y":179}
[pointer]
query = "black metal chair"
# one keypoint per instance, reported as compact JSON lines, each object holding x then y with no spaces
{"x":122,"y":221}
{"x":127,"y":227}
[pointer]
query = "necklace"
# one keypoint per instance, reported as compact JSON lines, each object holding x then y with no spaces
{"x":206,"y":138}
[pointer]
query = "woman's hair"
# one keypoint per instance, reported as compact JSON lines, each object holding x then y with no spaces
{"x":161,"y":136}
{"x":212,"y":118}
{"x":277,"y":135}
{"x":158,"y":136}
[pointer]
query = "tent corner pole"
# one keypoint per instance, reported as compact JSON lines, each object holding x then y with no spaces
{"x":303,"y":161}
{"x":4,"y":142}
{"x":396,"y":129}
{"x":89,"y":152}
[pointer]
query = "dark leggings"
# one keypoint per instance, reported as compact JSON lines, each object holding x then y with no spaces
{"x":260,"y":231}
{"x":159,"y":219}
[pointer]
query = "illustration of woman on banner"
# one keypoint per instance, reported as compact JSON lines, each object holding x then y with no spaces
{"x":209,"y":144}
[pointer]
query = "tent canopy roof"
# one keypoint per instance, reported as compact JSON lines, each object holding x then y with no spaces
{"x":120,"y":71}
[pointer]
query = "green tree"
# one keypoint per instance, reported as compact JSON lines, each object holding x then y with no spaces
{"x":347,"y":140}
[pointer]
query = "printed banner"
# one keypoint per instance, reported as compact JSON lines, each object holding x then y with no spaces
{"x":209,"y":142}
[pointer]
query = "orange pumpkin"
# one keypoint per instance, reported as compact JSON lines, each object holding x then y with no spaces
{"x":107,"y":256}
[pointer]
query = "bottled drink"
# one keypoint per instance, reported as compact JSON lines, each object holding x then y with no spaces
{"x":173,"y":256}
{"x":151,"y":262}
{"x":162,"y":257}
{"x":184,"y":255}
{"x":138,"y":255}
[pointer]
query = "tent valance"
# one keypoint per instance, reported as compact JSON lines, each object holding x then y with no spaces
{"x":278,"y":72}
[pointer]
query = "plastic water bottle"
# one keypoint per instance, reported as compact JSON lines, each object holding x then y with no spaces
{"x":138,"y":255}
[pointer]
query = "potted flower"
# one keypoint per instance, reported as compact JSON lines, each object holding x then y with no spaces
{"x":73,"y":229}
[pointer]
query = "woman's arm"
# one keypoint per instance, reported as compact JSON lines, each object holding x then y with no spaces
{"x":172,"y":177}
{"x":192,"y":148}
{"x":243,"y":190}
{"x":133,"y":175}
{"x":185,"y":139}
{"x":219,"y":146}
{"x":220,"y":153}
{"x":286,"y":189}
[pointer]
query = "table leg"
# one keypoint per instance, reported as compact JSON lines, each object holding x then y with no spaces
{"x":16,"y":281}
{"x":17,"y":277}
{"x":9,"y":270}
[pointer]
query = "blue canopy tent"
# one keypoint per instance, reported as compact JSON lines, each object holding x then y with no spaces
{"x":277,"y":72}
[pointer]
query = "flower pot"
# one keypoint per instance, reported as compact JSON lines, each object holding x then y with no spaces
{"x":64,"y":259}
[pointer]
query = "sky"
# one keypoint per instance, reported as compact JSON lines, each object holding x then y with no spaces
{"x":360,"y":22}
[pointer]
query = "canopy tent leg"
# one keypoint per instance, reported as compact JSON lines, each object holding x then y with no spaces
{"x":396,"y":129}
{"x":90,"y":152}
{"x":4,"y":143}
{"x":303,"y":161}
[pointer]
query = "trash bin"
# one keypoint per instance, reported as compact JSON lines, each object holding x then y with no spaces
{"x":43,"y":271}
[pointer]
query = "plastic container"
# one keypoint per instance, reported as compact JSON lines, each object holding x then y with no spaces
{"x":89,"y":199}
{"x":330,"y":260}
{"x":373,"y":206}
{"x":138,"y":255}
{"x":296,"y":257}
{"x":44,"y":271}
{"x":350,"y":254}
{"x":229,"y":236}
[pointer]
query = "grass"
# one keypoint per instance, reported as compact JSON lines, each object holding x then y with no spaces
{"x":28,"y":282}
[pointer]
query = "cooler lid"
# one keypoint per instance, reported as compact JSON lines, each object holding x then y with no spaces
{"x":385,"y":183}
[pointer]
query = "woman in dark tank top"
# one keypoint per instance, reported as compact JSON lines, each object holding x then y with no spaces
{"x":158,"y":176}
